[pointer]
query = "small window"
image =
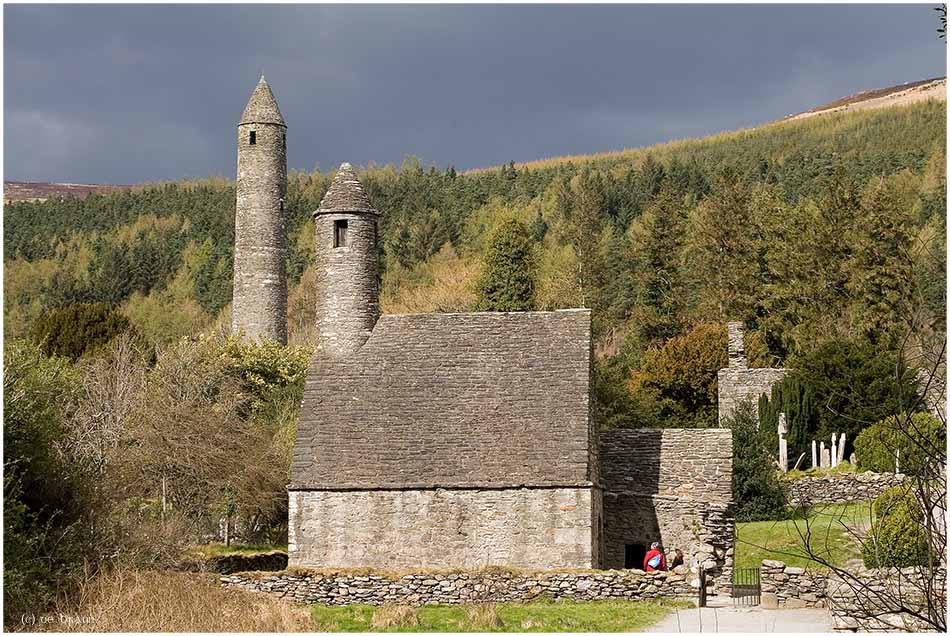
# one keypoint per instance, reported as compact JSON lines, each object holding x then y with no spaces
{"x":252,"y":140}
{"x":339,"y":233}
{"x":283,"y":139}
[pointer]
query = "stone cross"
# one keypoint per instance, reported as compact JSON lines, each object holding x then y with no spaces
{"x":782,"y":443}
{"x":814,"y":455}
{"x":834,"y":450}
{"x":841,"y":447}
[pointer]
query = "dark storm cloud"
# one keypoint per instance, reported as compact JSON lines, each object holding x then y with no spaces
{"x":122,"y":94}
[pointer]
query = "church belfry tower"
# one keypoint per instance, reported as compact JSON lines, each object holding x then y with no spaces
{"x":347,"y":266}
{"x":259,"y":306}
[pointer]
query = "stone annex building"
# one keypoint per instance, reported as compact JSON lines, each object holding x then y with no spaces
{"x":455,"y":440}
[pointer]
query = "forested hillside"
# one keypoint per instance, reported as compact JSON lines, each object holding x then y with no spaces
{"x":654,"y":240}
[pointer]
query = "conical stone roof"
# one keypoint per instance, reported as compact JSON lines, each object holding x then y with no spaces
{"x":262,"y":107}
{"x":345,"y":194}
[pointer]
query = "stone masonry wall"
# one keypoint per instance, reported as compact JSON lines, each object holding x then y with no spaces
{"x":791,"y":587}
{"x":673,"y":486}
{"x":738,"y":382}
{"x":347,"y":282}
{"x":329,"y":588}
{"x":259,"y":306}
{"x":444,"y":528}
{"x":842,"y":487}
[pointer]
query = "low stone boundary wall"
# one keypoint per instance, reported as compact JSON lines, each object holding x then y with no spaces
{"x":329,"y":588}
{"x":872,"y":602}
{"x":886,"y":602}
{"x":264,"y":561}
{"x":841,"y":488}
{"x":791,"y":587}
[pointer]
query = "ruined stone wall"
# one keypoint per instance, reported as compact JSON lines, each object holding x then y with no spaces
{"x":259,"y":306}
{"x":841,"y":488}
{"x":738,"y":384}
{"x":347,"y":282}
{"x":444,"y":528}
{"x":673,"y":486}
{"x":453,"y":587}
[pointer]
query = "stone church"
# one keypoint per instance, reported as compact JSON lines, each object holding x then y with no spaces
{"x":455,"y":440}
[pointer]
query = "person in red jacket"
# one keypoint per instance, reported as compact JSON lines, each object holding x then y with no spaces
{"x":654,"y":559}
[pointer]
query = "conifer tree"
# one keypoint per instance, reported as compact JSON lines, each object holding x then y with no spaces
{"x":723,"y":252}
{"x":881,"y":268}
{"x":508,"y":279}
{"x":656,"y":243}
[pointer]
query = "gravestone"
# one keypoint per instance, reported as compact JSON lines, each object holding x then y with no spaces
{"x":782,"y":443}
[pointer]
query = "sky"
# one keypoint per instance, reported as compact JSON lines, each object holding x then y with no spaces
{"x":130,"y":93}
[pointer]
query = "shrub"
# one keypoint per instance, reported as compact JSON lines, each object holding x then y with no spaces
{"x":41,"y":500}
{"x":267,"y":369}
{"x":76,"y":329}
{"x":896,"y":538}
{"x":681,"y":377}
{"x":758,"y":491}
{"x":919,"y":438}
{"x":843,"y":386}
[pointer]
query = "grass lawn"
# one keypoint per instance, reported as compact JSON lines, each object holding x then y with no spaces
{"x":219,"y":549}
{"x":831,"y":528}
{"x":536,"y":616}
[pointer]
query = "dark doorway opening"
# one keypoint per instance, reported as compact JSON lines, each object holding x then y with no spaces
{"x":633,"y":555}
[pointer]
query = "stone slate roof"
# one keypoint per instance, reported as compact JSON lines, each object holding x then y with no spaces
{"x":262,"y":107}
{"x":452,"y":400}
{"x":345,"y":194}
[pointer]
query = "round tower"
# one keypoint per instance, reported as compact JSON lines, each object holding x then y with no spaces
{"x":259,"y":306}
{"x":347,"y":266}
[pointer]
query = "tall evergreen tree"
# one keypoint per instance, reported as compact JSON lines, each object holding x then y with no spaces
{"x":723,"y":251}
{"x":881,"y":267}
{"x":656,"y":243}
{"x":508,"y":279}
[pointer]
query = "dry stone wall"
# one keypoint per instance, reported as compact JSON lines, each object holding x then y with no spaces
{"x":842,"y":487}
{"x":791,"y":587}
{"x":443,"y":528}
{"x":673,"y":486}
{"x":329,"y":588}
{"x":880,"y":600}
{"x":888,"y":600}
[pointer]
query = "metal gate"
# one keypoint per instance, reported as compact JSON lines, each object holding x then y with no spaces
{"x":746,"y":586}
